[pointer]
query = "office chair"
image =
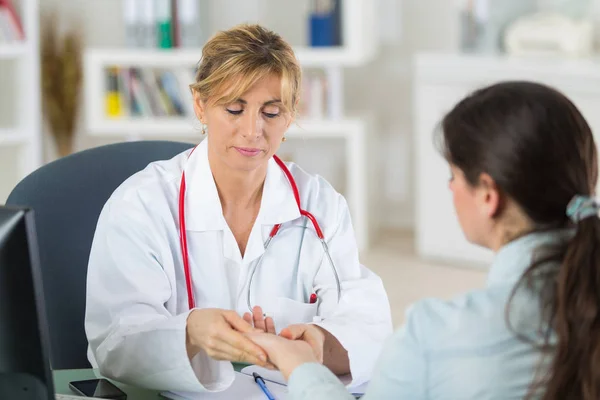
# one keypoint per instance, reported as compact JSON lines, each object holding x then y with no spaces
{"x":67,"y":196}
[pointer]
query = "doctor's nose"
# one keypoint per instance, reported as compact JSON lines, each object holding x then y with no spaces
{"x":251,"y":127}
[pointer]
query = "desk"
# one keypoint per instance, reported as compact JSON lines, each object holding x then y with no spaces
{"x":63,"y":377}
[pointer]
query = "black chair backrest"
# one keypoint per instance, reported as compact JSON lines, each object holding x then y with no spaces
{"x":67,"y":196}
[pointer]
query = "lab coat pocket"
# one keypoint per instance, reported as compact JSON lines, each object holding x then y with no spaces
{"x":289,"y":312}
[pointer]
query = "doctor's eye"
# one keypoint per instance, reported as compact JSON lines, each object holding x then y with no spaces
{"x":271,"y":111}
{"x":234,"y":112}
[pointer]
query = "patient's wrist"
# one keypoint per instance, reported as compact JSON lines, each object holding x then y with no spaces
{"x":294,"y":361}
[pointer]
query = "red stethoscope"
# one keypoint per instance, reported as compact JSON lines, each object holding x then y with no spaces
{"x":308,"y":215}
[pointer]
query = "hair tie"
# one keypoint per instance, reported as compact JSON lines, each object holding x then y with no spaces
{"x":581,"y":207}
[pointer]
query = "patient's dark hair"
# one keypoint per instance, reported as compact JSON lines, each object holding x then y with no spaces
{"x":540,"y":151}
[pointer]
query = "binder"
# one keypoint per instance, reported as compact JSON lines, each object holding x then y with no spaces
{"x":113,"y":97}
{"x":163,"y":24}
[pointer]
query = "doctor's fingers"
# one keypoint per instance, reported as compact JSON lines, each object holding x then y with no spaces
{"x":270,"y":324}
{"x":266,"y":325}
{"x":221,"y":356}
{"x":238,"y":348}
{"x":223,"y":351}
{"x":238,"y":323}
{"x":259,"y":319}
{"x":248,"y":318}
{"x":246,"y":353}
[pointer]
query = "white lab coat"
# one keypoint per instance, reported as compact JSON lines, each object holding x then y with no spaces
{"x":137,"y":302}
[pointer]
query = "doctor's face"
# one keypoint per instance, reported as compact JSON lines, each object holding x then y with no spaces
{"x":245,"y":133}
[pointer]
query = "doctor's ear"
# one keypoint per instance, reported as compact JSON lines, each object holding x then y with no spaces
{"x":290,"y":120}
{"x":199,"y":107}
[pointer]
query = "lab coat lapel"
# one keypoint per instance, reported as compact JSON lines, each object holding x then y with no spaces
{"x":278,"y":206}
{"x":203,"y":211}
{"x":203,"y":206}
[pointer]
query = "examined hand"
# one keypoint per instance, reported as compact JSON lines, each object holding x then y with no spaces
{"x":286,"y":354}
{"x":257,"y":319}
{"x":311,"y":334}
{"x":220,"y":333}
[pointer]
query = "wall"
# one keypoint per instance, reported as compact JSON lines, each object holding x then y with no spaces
{"x":100,"y":25}
{"x":382,"y":87}
{"x":385,"y":86}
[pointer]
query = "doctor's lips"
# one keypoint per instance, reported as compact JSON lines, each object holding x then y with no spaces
{"x":248,"y":151}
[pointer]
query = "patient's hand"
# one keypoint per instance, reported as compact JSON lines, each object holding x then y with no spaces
{"x":311,"y":334}
{"x":258,"y":320}
{"x":285,"y":354}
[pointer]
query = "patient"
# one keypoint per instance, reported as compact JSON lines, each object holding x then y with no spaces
{"x":523,"y":175}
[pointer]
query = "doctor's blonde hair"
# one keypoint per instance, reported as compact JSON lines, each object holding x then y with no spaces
{"x":235,"y":59}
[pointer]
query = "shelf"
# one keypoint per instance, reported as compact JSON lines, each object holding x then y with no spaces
{"x":148,"y":127}
{"x":481,"y":69}
{"x":10,"y":51}
{"x":8,"y":137}
{"x":145,"y":127}
{"x":325,"y":57}
{"x":126,"y":57}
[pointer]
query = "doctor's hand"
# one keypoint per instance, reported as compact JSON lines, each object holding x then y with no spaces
{"x":285,"y":354}
{"x":258,"y":320}
{"x":220,"y":333}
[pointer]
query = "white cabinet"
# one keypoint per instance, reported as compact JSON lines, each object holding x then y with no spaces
{"x":441,"y":80}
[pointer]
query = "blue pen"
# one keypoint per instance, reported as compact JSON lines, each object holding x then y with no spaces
{"x":261,"y":382}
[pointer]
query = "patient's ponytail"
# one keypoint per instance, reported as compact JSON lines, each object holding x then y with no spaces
{"x":574,"y":372}
{"x":540,"y":152}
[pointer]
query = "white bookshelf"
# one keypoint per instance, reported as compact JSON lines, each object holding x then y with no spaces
{"x":8,"y":138}
{"x":12,"y":51}
{"x":307,"y":56}
{"x":20,"y":100}
{"x":359,"y":47}
{"x":190,"y":127}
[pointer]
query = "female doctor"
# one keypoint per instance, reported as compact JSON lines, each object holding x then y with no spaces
{"x":191,"y":253}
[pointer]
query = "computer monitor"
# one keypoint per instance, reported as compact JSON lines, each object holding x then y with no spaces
{"x":24,"y":357}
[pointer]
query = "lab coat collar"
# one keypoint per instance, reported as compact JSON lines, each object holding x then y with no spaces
{"x":278,"y":203}
{"x":203,"y":211}
{"x":203,"y":207}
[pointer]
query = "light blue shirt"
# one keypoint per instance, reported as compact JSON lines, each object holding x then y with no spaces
{"x":458,"y":349}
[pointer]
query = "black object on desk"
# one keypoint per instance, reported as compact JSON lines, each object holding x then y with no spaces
{"x":24,"y":365}
{"x":98,"y":388}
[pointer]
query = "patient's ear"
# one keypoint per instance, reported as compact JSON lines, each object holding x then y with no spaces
{"x":488,"y":196}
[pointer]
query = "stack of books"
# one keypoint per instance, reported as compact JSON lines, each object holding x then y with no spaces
{"x":148,"y":92}
{"x":163,"y":92}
